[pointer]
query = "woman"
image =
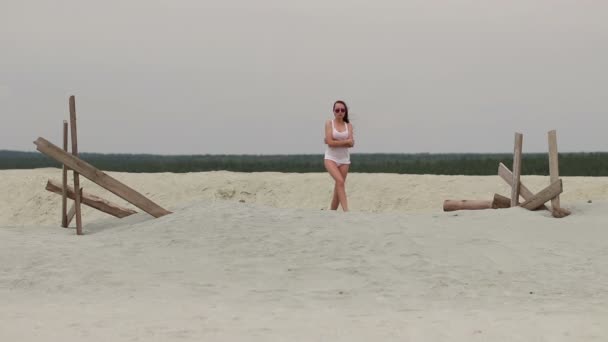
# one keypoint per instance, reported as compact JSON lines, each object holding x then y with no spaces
{"x":339,"y":138}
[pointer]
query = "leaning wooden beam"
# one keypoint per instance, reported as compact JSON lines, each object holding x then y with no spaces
{"x":93,"y":201}
{"x":543,"y":196}
{"x":100,"y":178}
{"x":74,"y":137}
{"x":516,"y":169}
{"x":507,"y":176}
{"x":64,"y":199}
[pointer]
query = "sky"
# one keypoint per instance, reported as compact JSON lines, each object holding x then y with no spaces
{"x":260,"y":77}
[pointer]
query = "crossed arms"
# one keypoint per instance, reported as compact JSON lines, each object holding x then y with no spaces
{"x":330,"y":141}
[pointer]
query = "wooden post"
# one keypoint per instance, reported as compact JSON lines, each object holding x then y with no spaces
{"x":100,"y":178}
{"x":64,"y":199}
{"x":516,"y":169}
{"x":75,"y":153}
{"x":553,"y":165}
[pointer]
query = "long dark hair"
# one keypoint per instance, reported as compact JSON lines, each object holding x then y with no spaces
{"x":345,"y":109}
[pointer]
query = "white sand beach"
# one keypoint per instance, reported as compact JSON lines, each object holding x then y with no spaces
{"x":252,"y":257}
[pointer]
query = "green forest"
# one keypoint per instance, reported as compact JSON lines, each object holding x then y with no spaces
{"x":570,"y":164}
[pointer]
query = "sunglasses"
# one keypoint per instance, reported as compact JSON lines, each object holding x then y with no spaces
{"x":339,"y":110}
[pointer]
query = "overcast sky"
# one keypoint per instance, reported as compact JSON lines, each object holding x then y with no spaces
{"x":260,"y":77}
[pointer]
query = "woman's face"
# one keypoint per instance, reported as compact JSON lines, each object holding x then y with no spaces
{"x":339,"y":111}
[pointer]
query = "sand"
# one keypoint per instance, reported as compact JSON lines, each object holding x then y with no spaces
{"x":251,"y":257}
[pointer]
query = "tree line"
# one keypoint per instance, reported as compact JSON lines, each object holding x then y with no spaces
{"x":570,"y":164}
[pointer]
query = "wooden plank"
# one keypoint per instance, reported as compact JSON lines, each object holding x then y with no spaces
{"x":501,"y":202}
{"x":64,"y":199}
{"x":516,"y":169}
{"x":543,"y":196}
{"x":70,"y":214}
{"x":93,"y":201}
{"x":100,"y":178}
{"x":507,"y":176}
{"x":553,"y":165}
{"x":74,"y":139}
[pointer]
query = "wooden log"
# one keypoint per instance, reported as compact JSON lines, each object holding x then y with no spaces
{"x":543,"y":196}
{"x":501,"y":202}
{"x":507,"y":176}
{"x":553,"y":165}
{"x":516,"y":169}
{"x":93,"y":201}
{"x":452,"y":205}
{"x":100,"y":178}
{"x":497,"y":203}
{"x":74,"y":137}
{"x":64,"y":199}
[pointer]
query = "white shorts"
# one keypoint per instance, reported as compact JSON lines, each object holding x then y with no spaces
{"x":339,"y":162}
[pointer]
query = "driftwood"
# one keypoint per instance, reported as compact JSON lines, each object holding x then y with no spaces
{"x":543,"y":196}
{"x":531,"y":201}
{"x":498,"y":202}
{"x":507,"y":176}
{"x":92,"y":201}
{"x":100,"y":178}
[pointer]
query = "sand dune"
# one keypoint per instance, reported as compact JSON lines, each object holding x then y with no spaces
{"x":26,"y":202}
{"x":250,"y":257}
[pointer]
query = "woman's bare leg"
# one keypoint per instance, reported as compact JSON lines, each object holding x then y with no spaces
{"x":339,"y":188}
{"x":335,"y":202}
{"x":344,"y":172}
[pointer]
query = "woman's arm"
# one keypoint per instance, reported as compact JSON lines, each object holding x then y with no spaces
{"x":329,"y":139}
{"x":350,"y":135}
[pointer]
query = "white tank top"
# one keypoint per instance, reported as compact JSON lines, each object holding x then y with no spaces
{"x":338,"y":154}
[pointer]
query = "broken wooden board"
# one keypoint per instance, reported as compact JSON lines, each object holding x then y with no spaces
{"x":92,"y":201}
